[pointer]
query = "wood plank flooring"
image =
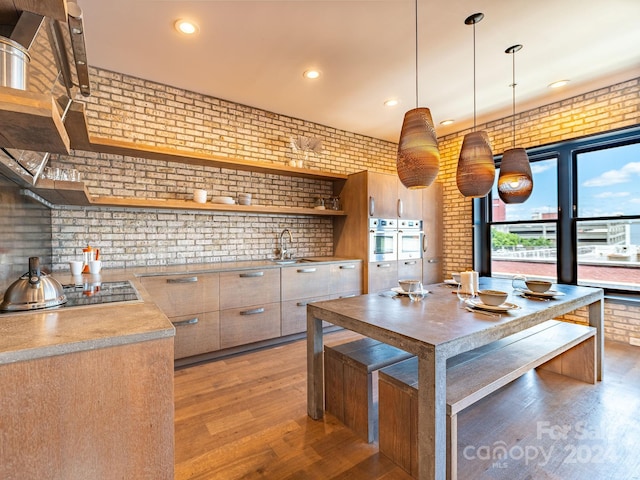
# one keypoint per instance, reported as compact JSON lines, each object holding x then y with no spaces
{"x":245,"y":418}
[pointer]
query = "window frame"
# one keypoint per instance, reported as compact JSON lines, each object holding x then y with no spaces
{"x":566,"y":153}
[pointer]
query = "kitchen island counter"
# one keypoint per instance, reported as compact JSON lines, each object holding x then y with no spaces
{"x":56,"y":331}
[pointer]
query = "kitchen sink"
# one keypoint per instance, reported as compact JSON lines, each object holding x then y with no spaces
{"x":291,"y":261}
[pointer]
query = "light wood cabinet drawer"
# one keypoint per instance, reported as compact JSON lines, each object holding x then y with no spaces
{"x":305,"y":281}
{"x":249,"y":287}
{"x":294,"y":315}
{"x":196,"y":334}
{"x":382,"y":276}
{"x":249,"y":324}
{"x":410,"y":269}
{"x":345,"y":277}
{"x":178,"y":295}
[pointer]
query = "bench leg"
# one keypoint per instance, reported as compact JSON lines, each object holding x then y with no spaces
{"x":334,"y":390}
{"x":398,"y":438}
{"x":358,"y":402}
{"x":452,"y":447}
{"x":578,"y":362}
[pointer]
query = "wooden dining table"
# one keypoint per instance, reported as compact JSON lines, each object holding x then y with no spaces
{"x":435,"y":329}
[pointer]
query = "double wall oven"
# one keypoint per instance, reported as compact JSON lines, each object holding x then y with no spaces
{"x":410,"y":239}
{"x":391,"y":239}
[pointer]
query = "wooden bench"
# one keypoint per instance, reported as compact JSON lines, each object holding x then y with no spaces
{"x":350,"y":377}
{"x":560,"y":347}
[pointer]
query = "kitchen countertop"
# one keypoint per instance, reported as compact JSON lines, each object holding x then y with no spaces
{"x":57,"y":331}
{"x":187,"y":269}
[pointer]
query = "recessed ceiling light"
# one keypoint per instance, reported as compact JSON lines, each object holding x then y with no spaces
{"x":446,"y":122}
{"x":186,"y":26}
{"x":311,"y":74}
{"x":392,"y":102}
{"x":559,"y":83}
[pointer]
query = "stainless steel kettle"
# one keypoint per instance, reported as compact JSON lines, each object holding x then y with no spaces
{"x":33,"y":290}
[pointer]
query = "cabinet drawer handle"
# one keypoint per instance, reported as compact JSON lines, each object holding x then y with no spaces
{"x":347,"y":296}
{"x":301,"y":304}
{"x":410,"y":263}
{"x":191,"y":321}
{"x":347,"y":267}
{"x":182,"y":280}
{"x":252,"y":274}
{"x":384,"y":265}
{"x":307,"y":270}
{"x":372,"y":206}
{"x":253,"y":311}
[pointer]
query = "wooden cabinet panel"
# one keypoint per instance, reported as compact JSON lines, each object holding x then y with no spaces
{"x":249,"y":287}
{"x":345,"y":278}
{"x":383,"y":195}
{"x":432,"y":226}
{"x":382,"y":276}
{"x":98,"y":414}
{"x":305,"y":281}
{"x":239,"y":326}
{"x":178,"y":295}
{"x":410,"y":269}
{"x":196,"y":334}
{"x":411,"y":203}
{"x":294,"y":315}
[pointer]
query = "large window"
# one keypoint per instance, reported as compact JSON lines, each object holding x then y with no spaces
{"x":581,"y":224}
{"x":523,"y":236}
{"x":608,"y":204}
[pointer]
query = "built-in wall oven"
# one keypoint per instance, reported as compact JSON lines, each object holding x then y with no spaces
{"x":410,"y":238}
{"x":383,"y":239}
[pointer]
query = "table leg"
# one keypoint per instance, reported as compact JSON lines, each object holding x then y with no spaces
{"x":432,"y":412}
{"x":315,"y":368}
{"x":596,"y":319}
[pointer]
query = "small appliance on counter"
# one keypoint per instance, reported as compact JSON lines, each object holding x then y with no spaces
{"x":37,"y":290}
{"x":33,"y":290}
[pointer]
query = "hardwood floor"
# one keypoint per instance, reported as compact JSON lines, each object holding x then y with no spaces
{"x":245,"y":418}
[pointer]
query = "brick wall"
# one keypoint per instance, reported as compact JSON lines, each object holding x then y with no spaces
{"x":606,"y":109}
{"x":136,"y":110}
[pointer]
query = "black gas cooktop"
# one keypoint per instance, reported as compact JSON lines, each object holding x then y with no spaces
{"x":97,"y":293}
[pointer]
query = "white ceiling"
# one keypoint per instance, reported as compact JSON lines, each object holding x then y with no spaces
{"x":253,"y":52}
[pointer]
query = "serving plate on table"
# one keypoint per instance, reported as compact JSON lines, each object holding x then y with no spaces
{"x":400,"y":291}
{"x":547,"y":294}
{"x":451,"y":281}
{"x":480,"y":305}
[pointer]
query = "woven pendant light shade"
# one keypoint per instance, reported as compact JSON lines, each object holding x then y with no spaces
{"x":418,"y":156}
{"x":476,"y":168}
{"x":515,"y":182}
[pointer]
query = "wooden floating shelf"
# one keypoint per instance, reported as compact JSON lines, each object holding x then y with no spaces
{"x":76,"y":124}
{"x":75,"y":193}
{"x":191,"y":205}
{"x":31,"y":121}
{"x":62,"y":192}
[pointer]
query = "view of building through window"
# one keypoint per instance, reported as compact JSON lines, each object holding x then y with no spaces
{"x":607,"y":187}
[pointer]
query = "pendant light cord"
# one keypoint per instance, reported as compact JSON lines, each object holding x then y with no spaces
{"x":416,"y":12}
{"x":513,"y":95}
{"x":512,"y":50}
{"x":474,"y":76}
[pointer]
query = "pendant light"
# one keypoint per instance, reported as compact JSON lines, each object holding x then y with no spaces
{"x":476,"y":169}
{"x":515,"y":182}
{"x":418,"y":159}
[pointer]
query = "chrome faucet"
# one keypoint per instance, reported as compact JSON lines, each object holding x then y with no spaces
{"x":283,"y":245}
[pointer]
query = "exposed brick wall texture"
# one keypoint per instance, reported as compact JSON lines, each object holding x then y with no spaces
{"x":137,"y":110}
